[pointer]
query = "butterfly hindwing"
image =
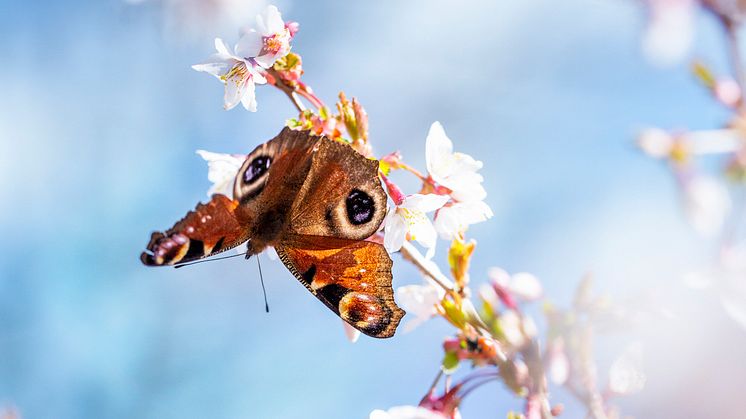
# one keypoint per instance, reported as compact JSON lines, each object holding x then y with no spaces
{"x":352,"y":277}
{"x":211,"y":228}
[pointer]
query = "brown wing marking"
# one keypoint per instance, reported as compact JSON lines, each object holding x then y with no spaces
{"x":211,"y":228}
{"x":341,"y":196}
{"x":352,"y":277}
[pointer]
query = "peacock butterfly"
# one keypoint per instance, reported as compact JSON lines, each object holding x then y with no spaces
{"x":317,"y":202}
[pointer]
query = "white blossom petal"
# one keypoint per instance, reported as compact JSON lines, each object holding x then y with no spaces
{"x":707,"y":203}
{"x":273,"y":20}
{"x":419,"y":301}
{"x":625,"y":375}
{"x":525,"y":286}
{"x":422,"y":231}
{"x":221,"y":171}
{"x":395,"y":232}
{"x":250,"y":45}
{"x":655,"y":142}
{"x":424,"y":203}
{"x":670,"y":31}
{"x":453,"y":219}
{"x":352,"y":334}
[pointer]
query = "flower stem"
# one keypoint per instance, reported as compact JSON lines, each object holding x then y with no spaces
{"x":413,"y":256}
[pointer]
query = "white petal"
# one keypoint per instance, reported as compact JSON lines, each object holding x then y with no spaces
{"x":273,"y":20}
{"x":670,"y":31}
{"x":421,"y":229}
{"x":222,"y":47}
{"x":559,"y":364}
{"x":222,"y":171}
{"x":525,"y":286}
{"x":448,"y":223}
{"x":499,"y":276}
{"x":352,"y":334}
{"x":249,"y":98}
{"x":249,"y":45}
{"x":418,"y":301}
{"x":424,"y":203}
{"x":707,"y":203}
{"x":625,"y":375}
{"x":510,"y":323}
{"x":465,"y":186}
{"x":438,"y":151}
{"x":395,"y":232}
{"x":216,"y":64}
{"x":655,"y":142}
{"x":266,"y":60}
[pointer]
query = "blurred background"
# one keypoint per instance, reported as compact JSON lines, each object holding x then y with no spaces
{"x":100,"y":115}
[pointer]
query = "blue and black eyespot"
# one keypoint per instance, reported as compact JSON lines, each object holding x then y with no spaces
{"x":257,"y":168}
{"x":360,"y":207}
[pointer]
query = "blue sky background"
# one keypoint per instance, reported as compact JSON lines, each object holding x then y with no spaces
{"x":100,"y":115}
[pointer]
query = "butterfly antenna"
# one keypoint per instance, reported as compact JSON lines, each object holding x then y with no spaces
{"x":207,"y":260}
{"x":261,"y":279}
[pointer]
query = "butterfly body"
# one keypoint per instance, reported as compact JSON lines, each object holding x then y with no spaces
{"x":316,"y":202}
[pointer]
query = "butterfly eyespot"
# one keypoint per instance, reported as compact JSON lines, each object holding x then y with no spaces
{"x":258,"y":167}
{"x":360,"y":207}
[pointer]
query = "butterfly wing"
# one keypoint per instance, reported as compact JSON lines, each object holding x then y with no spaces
{"x":351,"y":277}
{"x":341,"y":196}
{"x":211,"y":228}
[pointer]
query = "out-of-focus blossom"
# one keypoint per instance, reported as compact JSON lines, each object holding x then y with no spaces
{"x":558,"y":362}
{"x":516,"y":328}
{"x":267,"y":42}
{"x":406,"y":412}
{"x":727,"y":92}
{"x":203,"y":17}
{"x":522,"y":286}
{"x":238,"y":75}
{"x":420,"y":301}
{"x":658,"y":143}
{"x":221,"y":171}
{"x":670,"y":31}
{"x":707,"y":204}
{"x":455,"y":171}
{"x":625,"y":375}
{"x":408,"y":219}
{"x":457,"y":217}
{"x":655,"y":142}
{"x":352,"y":334}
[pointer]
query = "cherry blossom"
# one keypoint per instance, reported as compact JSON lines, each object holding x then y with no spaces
{"x":455,"y":218}
{"x":522,"y":286}
{"x":238,"y":75}
{"x":455,"y":171}
{"x":269,"y":41}
{"x":625,"y":375}
{"x":670,"y":30}
{"x":221,"y":171}
{"x":420,"y":301}
{"x":409,"y":219}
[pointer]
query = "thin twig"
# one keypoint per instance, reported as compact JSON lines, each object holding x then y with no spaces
{"x":288,"y":90}
{"x":412,"y":255}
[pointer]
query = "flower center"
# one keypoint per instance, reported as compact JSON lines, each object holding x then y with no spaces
{"x":275,"y":43}
{"x":238,"y":73}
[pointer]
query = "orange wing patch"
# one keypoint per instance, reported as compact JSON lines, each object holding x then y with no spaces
{"x":352,"y":277}
{"x":211,"y":228}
